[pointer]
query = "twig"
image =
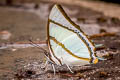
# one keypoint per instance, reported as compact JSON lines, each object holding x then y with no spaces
{"x":21,"y":45}
{"x":103,"y":35}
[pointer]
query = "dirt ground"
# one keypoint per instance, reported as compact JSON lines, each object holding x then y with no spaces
{"x":26,"y":64}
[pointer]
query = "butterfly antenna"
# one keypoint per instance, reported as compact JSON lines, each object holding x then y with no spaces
{"x":36,"y":45}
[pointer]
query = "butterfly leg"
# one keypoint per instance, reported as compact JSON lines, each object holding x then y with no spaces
{"x":67,"y":65}
{"x":45,"y":64}
{"x":53,"y":68}
{"x":69,"y":68}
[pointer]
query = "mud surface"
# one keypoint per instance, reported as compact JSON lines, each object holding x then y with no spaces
{"x":27,"y":63}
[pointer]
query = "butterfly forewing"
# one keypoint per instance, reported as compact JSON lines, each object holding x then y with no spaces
{"x":67,"y":43}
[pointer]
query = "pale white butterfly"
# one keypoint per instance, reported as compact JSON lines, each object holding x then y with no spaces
{"x":67,"y":43}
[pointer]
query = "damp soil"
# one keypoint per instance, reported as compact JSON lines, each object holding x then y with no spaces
{"x":23,"y":64}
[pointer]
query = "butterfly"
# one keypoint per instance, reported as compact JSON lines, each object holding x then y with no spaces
{"x":67,"y":43}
